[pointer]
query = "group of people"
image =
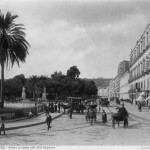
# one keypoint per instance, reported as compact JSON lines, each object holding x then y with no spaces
{"x":54,"y":107}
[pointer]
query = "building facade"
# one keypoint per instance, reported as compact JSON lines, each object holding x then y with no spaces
{"x":111,"y":89}
{"x":124,"y":86}
{"x":122,"y":68}
{"x":140,"y":66}
{"x":114,"y":85}
{"x":103,"y":92}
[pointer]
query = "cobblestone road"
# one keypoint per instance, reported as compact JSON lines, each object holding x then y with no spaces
{"x":76,"y":131}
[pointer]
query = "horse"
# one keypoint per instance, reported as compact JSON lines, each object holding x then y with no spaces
{"x":64,"y":107}
{"x":90,"y":116}
{"x":82,"y":108}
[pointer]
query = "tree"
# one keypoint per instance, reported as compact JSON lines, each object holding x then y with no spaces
{"x":31,"y":85}
{"x":58,"y":76}
{"x":13,"y":45}
{"x":90,"y":88}
{"x":73,"y":72}
{"x":21,"y":78}
{"x":13,"y":89}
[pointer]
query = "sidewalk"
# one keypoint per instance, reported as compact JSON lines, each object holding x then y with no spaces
{"x":30,"y":122}
{"x":133,"y":110}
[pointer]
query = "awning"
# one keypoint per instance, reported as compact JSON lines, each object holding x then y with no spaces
{"x":142,"y":94}
{"x":141,"y":97}
{"x":147,"y":98}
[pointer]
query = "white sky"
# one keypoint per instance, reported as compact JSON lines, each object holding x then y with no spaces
{"x":92,"y":35}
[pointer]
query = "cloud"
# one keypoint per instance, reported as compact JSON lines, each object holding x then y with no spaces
{"x":93,"y":35}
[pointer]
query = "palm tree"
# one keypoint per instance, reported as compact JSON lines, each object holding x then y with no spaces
{"x":13,"y":45}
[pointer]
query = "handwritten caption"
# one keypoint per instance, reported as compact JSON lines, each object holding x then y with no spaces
{"x":27,"y":147}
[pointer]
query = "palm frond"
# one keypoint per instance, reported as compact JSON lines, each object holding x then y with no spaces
{"x":13,"y":45}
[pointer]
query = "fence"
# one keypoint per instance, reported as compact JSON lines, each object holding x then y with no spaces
{"x":24,"y":105}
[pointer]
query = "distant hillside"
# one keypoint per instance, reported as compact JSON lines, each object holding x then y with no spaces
{"x":102,"y":82}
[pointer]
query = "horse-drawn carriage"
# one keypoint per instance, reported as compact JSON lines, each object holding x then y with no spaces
{"x":76,"y":103}
{"x":91,"y":111}
{"x":104,"y":101}
{"x":120,"y":116}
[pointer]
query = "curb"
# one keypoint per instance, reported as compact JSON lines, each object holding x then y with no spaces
{"x":31,"y":125}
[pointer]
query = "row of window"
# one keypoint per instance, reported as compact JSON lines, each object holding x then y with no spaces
{"x":140,"y":69}
{"x":141,"y":46}
{"x":124,"y":80}
{"x":140,"y":86}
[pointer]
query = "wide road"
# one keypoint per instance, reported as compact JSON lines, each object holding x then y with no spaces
{"x":76,"y":131}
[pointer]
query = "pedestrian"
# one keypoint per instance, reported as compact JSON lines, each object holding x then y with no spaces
{"x":59,"y":107}
{"x":30,"y":114}
{"x":49,"y":106}
{"x":104,"y":116}
{"x":48,"y":120}
{"x":52,"y":107}
{"x":132,"y":101}
{"x":2,"y":125}
{"x":70,"y":112}
{"x":99,"y":108}
{"x":148,"y":106}
{"x":55,"y":107}
{"x":140,"y":106}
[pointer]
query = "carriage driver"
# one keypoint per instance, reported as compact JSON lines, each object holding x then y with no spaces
{"x":122,"y":110}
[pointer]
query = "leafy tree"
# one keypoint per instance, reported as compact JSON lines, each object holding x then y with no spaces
{"x":13,"y":45}
{"x":57,"y":76}
{"x":59,"y":79}
{"x":73,"y":72}
{"x":90,"y":88}
{"x":13,"y":88}
{"x":21,"y":78}
{"x":31,"y":85}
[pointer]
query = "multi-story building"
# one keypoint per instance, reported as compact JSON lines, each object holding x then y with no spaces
{"x":114,"y":85}
{"x":140,"y":66}
{"x":103,"y":92}
{"x":122,"y":68}
{"x":111,"y":89}
{"x":124,"y":86}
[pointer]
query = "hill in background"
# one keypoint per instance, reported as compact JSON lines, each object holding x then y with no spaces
{"x":101,"y":82}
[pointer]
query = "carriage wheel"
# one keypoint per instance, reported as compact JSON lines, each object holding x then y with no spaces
{"x":113,"y":123}
{"x":125,"y":122}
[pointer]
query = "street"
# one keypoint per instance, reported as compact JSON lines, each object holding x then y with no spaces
{"x":77,"y":131}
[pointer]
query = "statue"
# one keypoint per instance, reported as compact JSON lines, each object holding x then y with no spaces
{"x":44,"y":94}
{"x":23,"y":93}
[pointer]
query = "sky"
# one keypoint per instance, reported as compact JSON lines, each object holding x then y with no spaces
{"x":94,"y":35}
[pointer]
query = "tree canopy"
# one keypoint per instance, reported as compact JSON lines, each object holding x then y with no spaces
{"x":58,"y":86}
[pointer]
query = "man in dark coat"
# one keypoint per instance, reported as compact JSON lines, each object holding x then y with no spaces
{"x":70,"y":112}
{"x":59,"y":107}
{"x":48,"y":120}
{"x":122,"y":110}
